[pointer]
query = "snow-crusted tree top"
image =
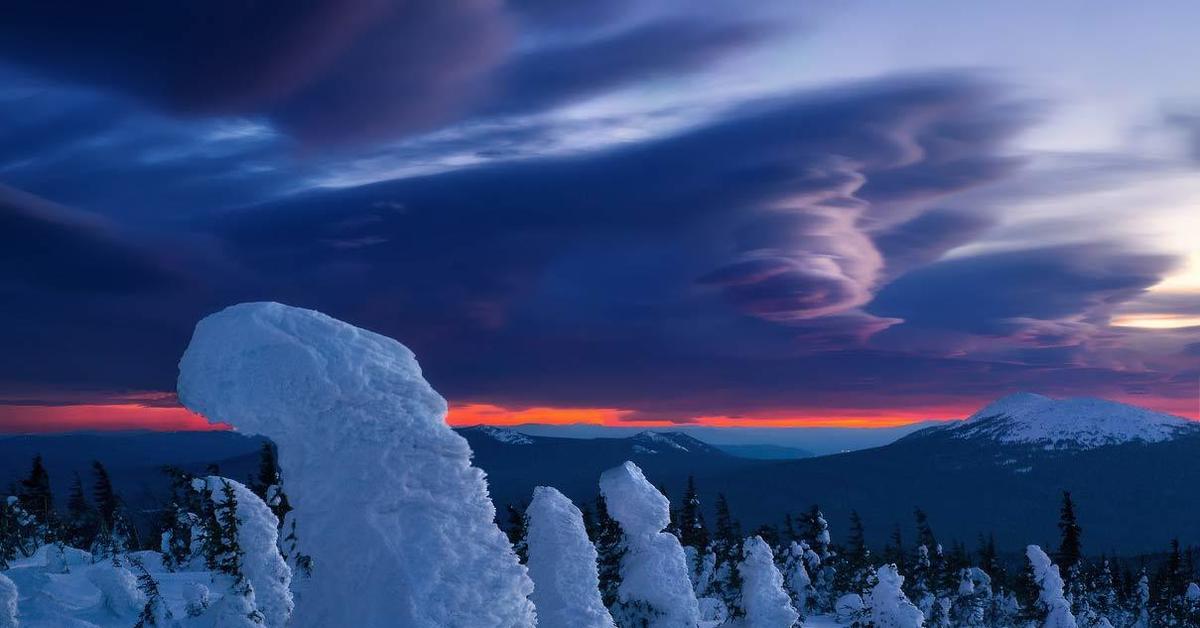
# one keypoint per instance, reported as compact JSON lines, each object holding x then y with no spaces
{"x":261,"y":365}
{"x":633,"y":501}
{"x":1081,"y":422}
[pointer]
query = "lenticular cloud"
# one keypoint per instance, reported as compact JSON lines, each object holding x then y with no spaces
{"x":397,"y":520}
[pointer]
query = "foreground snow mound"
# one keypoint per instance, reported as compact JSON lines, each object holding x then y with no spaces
{"x":398,"y":522}
{"x":767,"y":603}
{"x":119,"y":593}
{"x":562,"y":564}
{"x":8,"y":602}
{"x":1051,"y":599}
{"x":655,"y":588}
{"x":1082,"y":422}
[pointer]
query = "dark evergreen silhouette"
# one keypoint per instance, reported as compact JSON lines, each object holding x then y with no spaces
{"x":1070,"y":548}
{"x":517,"y":531}
{"x":610,"y":549}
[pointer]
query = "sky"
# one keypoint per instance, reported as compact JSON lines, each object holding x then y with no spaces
{"x":617,"y":212}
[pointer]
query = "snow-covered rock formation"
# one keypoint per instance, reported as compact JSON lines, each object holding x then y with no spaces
{"x":1078,"y":423}
{"x":655,"y":587}
{"x":562,"y":564}
{"x":398,"y":522}
{"x":1051,"y":598}
{"x":766,"y":603}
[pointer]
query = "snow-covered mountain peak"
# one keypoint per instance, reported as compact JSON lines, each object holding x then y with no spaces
{"x":653,"y":441}
{"x":1076,"y":423}
{"x":504,"y":435}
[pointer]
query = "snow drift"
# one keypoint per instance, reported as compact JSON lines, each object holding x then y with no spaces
{"x":397,"y":520}
{"x":8,"y":602}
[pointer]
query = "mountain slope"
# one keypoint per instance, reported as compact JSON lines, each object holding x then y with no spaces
{"x":1078,"y":423}
{"x":1133,"y":475}
{"x":516,"y":463}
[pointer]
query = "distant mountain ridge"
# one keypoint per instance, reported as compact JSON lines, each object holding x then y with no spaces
{"x":1075,"y":423}
{"x":1132,"y":472}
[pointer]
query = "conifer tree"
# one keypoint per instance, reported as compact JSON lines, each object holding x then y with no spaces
{"x":816,"y":532}
{"x":37,"y":499}
{"x":989,"y":561}
{"x":692,"y":531}
{"x":268,"y":484}
{"x":855,"y":570}
{"x":788,"y":532}
{"x":155,"y":612}
{"x":1104,"y":591}
{"x":589,"y":522}
{"x":517,"y":531}
{"x":80,"y":526}
{"x":114,"y":532}
{"x":727,"y":547}
{"x":893,"y":551}
{"x":1027,"y":591}
{"x":609,"y":551}
{"x":1070,"y":549}
{"x":10,"y":536}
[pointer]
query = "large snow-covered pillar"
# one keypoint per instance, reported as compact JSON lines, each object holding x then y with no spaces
{"x":398,"y":522}
{"x":562,"y":563}
{"x":655,"y":588}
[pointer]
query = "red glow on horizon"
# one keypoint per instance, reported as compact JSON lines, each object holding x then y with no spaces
{"x":160,"y":412}
{"x":40,"y":419}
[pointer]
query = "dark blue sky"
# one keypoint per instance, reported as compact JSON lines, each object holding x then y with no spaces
{"x":617,"y":211}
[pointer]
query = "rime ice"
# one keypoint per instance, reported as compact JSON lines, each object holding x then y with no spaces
{"x":397,"y":520}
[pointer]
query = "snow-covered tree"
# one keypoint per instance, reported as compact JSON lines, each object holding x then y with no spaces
{"x":726,"y":583}
{"x":821,"y":569}
{"x":655,"y":590}
{"x":119,"y":593}
{"x":764,"y":600}
{"x":889,"y":606}
{"x":155,"y":611}
{"x":796,"y":578}
{"x":1050,"y":599}
{"x":972,"y":600}
{"x":381,"y":484}
{"x":562,"y":564}
{"x":692,"y":531}
{"x":8,"y":602}
{"x":245,"y":549}
{"x":1141,"y":609}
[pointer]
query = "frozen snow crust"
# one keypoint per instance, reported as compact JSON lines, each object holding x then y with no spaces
{"x":397,"y":520}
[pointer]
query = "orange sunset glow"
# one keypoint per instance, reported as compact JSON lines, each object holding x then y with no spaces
{"x":101,"y":417}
